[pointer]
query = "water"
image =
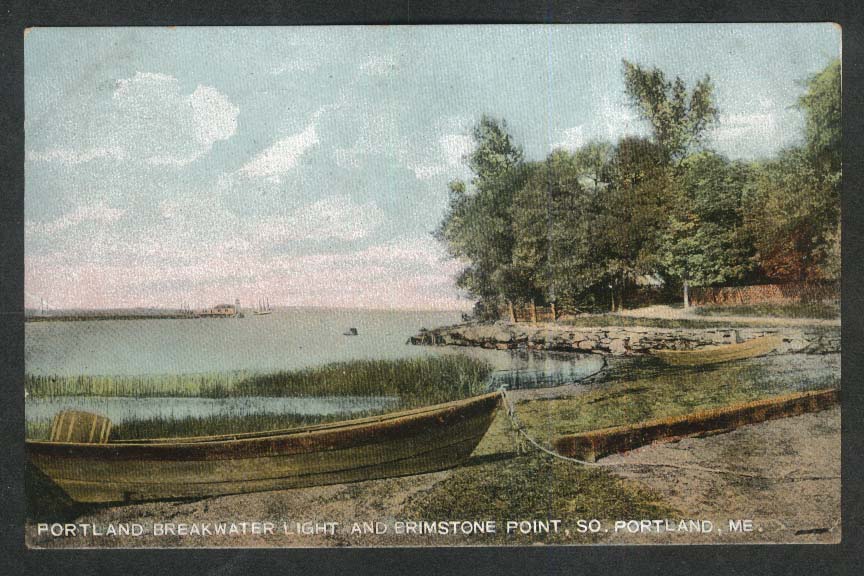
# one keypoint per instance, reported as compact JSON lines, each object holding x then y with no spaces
{"x":288,"y":339}
{"x":120,"y":409}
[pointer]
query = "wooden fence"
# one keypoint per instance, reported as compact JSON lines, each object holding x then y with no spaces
{"x":531,"y":313}
{"x":765,"y":294}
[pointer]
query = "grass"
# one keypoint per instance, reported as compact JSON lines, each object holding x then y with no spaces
{"x":635,"y":392}
{"x":817,"y":310}
{"x":416,"y":380}
{"x":499,"y":483}
{"x":614,"y":320}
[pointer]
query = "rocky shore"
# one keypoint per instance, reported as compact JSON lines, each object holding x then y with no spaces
{"x":622,"y":340}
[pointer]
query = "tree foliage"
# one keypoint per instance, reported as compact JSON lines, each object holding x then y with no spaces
{"x":581,"y":227}
{"x":821,"y":106}
{"x":678,"y":120}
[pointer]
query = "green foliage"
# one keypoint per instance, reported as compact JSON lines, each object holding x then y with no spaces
{"x":793,"y":214}
{"x":477,"y":228}
{"x":495,"y":153}
{"x":580,"y":228}
{"x":821,"y":105}
{"x":678,"y":120}
{"x":635,"y":207}
{"x":705,"y":242}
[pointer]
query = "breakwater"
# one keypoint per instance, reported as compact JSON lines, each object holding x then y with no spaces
{"x":622,"y":340}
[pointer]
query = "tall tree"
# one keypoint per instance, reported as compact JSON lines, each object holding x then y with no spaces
{"x":495,"y":153}
{"x":793,"y":216}
{"x":632,"y":213}
{"x":821,"y":106}
{"x":794,"y":205}
{"x":477,"y":227}
{"x":678,"y":120}
{"x":706,"y":241}
{"x":552,"y":260}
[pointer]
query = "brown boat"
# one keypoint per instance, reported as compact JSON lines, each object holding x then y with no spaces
{"x":723,"y":353}
{"x":399,"y":444}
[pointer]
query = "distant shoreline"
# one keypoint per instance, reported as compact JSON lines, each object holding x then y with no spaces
{"x":95,"y":317}
{"x":85,"y":316}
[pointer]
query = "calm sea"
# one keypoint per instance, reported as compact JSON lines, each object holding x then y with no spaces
{"x":288,"y":339}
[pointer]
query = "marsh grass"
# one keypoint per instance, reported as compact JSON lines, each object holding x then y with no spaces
{"x":415,"y":382}
{"x":436,"y":378}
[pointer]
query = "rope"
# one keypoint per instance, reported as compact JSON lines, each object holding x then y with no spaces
{"x":520,"y":428}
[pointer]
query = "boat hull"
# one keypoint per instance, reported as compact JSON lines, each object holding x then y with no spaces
{"x":717,"y":354}
{"x":401,"y":444}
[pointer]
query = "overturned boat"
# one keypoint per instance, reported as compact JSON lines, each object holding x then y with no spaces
{"x":723,"y":353}
{"x":89,"y":467}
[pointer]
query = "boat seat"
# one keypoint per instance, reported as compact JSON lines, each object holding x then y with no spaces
{"x":80,"y":427}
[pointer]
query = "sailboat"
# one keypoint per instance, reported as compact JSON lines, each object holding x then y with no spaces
{"x":263,"y":308}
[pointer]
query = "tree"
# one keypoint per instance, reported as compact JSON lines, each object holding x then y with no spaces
{"x":793,"y":216}
{"x":494,"y":153}
{"x":794,"y":204}
{"x":706,"y":242}
{"x":552,"y":258}
{"x":593,"y":160}
{"x":821,"y":106}
{"x":631,"y":214}
{"x":477,"y":228}
{"x":678,"y":120}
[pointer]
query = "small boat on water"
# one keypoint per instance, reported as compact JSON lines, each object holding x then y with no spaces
{"x":723,"y":353}
{"x":89,"y":467}
{"x":350,"y":332}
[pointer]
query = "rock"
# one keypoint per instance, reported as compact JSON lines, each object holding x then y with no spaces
{"x":619,"y":340}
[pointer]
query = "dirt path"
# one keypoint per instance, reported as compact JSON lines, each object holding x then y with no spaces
{"x":790,"y":487}
{"x":673,"y":313}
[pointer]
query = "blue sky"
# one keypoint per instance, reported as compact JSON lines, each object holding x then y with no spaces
{"x":310,"y":164}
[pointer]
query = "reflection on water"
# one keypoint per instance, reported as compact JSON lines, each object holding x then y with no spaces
{"x":121,"y":409}
{"x":289,"y":339}
{"x":520,"y":369}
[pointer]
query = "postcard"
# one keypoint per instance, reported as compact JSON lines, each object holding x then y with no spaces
{"x":385,"y":286}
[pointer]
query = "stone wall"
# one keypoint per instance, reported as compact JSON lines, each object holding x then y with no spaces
{"x":622,"y":341}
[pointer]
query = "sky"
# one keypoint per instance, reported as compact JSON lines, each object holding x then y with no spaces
{"x":309,"y":165}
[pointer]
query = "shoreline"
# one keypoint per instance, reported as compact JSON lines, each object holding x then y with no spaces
{"x":625,"y":340}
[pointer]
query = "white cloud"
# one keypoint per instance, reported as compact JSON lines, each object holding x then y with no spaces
{"x":336,"y":217}
{"x":617,"y":119}
{"x":745,"y":127}
{"x":99,"y":213}
{"x":571,"y":138}
{"x":71,"y":157}
{"x":454,"y":148}
{"x":427,"y":171}
{"x":151,"y":120}
{"x":449,"y":153}
{"x":282,"y":156}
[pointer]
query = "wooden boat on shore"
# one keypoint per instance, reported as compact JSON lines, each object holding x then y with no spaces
{"x":399,"y":444}
{"x":723,"y":353}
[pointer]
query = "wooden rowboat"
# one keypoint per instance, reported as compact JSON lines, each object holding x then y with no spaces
{"x":399,"y":444}
{"x":723,"y":353}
